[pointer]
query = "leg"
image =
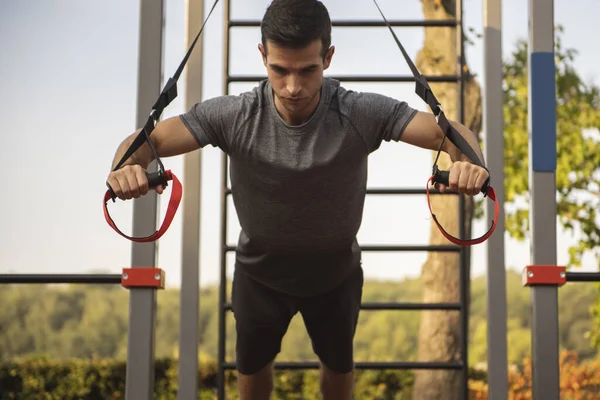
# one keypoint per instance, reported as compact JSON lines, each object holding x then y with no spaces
{"x":331,"y":320}
{"x":262,"y":317}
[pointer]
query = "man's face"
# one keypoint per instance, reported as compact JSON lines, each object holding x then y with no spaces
{"x":296,"y":75}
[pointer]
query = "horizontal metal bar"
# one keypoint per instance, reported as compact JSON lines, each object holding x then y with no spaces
{"x":365,"y":23}
{"x":368,"y":365}
{"x":583,"y":276}
{"x":358,"y":78}
{"x":394,"y":191}
{"x":411,"y":306}
{"x":444,"y":248}
{"x":396,"y":306}
{"x":61,"y":278}
{"x":415,"y":248}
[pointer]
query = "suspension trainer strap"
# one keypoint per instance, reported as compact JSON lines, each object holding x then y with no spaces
{"x":423,"y":90}
{"x":161,"y":177}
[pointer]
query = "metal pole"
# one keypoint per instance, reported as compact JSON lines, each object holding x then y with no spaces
{"x":222,"y":348}
{"x":493,"y":124}
{"x":190,"y":246}
{"x":464,"y":275}
{"x":542,"y":167}
{"x":142,"y":301}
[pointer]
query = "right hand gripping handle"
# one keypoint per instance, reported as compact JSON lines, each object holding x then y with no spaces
{"x":156,"y":179}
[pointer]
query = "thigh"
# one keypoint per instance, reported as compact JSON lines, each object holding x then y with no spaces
{"x":262,"y":317}
{"x":331,"y":321}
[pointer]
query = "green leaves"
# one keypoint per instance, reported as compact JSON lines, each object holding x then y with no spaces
{"x":578,"y":149}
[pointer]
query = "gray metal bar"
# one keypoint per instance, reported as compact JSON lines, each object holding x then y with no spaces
{"x":223,"y":242}
{"x":415,"y":248}
{"x":189,"y":304}
{"x":363,"y":23}
{"x":464,"y":275}
{"x":370,"y":365}
{"x":493,"y":124}
{"x":357,"y":78}
{"x":398,"y":306}
{"x":542,"y":167}
{"x":142,"y":301}
{"x":394,"y":191}
{"x":91,"y":279}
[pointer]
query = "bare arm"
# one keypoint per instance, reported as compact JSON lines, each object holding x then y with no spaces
{"x":170,"y":138}
{"x":423,"y":131}
{"x":465,"y":177}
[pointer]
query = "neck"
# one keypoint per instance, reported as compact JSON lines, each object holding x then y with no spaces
{"x":300,"y":116}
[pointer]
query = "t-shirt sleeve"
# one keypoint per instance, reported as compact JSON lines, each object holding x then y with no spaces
{"x":215,"y":121}
{"x":378,"y":117}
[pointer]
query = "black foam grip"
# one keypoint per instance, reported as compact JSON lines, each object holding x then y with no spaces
{"x":156,"y":179}
{"x":441,"y":176}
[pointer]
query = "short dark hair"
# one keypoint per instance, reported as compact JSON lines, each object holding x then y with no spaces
{"x":296,"y":23}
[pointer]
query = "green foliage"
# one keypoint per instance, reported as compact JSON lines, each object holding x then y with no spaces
{"x":578,"y":149}
{"x":90,"y":322}
{"x":578,"y":154}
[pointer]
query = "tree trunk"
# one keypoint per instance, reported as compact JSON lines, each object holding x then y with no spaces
{"x":439,"y":335}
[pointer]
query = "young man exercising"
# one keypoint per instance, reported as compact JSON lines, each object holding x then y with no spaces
{"x":299,"y":145}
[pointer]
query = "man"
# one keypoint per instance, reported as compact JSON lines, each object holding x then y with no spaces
{"x":298,"y":145}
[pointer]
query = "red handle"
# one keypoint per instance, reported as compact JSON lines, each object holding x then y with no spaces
{"x":174,"y":201}
{"x":491,"y":194}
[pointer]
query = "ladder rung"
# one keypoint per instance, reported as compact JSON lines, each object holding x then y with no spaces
{"x":383,"y":248}
{"x":405,"y":191}
{"x":368,"y":365}
{"x":411,"y":306}
{"x":386,"y":191}
{"x":358,"y":78}
{"x":365,"y":23}
{"x":396,"y":306}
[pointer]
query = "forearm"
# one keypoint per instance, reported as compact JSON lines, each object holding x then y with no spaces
{"x":142,"y":156}
{"x":454,"y":152}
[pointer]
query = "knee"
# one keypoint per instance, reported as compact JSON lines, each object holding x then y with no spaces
{"x":257,"y":385}
{"x":336,"y":385}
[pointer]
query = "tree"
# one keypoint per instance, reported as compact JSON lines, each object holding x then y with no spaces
{"x":439,"y":338}
{"x":578,"y":154}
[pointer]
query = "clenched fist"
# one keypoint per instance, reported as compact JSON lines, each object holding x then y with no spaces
{"x":465,"y":178}
{"x":130,"y":182}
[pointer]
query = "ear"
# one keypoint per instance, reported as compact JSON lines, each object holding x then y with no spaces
{"x":263,"y":53}
{"x":328,"y":57}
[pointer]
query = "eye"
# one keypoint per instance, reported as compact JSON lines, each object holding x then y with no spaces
{"x":278,"y":70}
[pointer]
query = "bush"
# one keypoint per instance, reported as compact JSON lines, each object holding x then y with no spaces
{"x":43,"y":379}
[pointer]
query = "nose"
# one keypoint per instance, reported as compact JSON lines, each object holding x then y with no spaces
{"x":293,"y":86}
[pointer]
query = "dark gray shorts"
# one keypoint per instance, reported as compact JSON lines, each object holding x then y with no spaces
{"x":263,"y":315}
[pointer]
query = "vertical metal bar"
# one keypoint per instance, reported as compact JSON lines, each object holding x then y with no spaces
{"x":542,"y":167}
{"x":189,"y":304}
{"x":464,"y":273}
{"x":223,"y":284}
{"x":493,"y":124}
{"x":142,"y":301}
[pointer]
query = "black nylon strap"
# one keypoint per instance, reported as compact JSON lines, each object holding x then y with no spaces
{"x":167,"y":95}
{"x":423,"y":90}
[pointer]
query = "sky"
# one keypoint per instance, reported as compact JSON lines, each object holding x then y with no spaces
{"x":69,"y":81}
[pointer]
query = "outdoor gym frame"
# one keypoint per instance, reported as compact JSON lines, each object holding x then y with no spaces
{"x":543,"y":276}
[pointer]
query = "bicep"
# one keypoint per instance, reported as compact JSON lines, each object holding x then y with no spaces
{"x":172,"y":137}
{"x":422,"y":131}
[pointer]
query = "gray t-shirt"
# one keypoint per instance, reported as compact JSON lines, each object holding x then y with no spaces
{"x":298,"y":191}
